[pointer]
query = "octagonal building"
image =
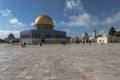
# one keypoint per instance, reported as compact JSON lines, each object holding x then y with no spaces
{"x":43,"y":33}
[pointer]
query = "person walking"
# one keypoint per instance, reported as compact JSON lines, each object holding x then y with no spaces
{"x":40,"y":44}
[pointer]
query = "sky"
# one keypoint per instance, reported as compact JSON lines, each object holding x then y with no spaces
{"x":72,"y":16}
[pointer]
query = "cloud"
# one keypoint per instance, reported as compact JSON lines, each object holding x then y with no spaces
{"x":112,"y":20}
{"x":83,"y":19}
{"x":5,"y":33}
{"x":16,"y":22}
{"x":70,"y":4}
{"x":87,"y":20}
{"x":32,"y":23}
{"x":5,"y":12}
{"x":103,"y":32}
{"x":67,"y":30}
{"x":60,"y":23}
{"x":74,"y":10}
{"x":21,"y":24}
{"x":73,"y":7}
{"x":9,"y":16}
{"x":78,"y":17}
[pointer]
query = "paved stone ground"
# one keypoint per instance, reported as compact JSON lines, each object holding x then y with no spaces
{"x":59,"y":62}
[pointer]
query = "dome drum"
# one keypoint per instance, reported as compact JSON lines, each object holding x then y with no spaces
{"x":43,"y":26}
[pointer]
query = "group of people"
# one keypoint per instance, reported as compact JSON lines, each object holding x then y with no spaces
{"x":64,"y":43}
{"x":24,"y":44}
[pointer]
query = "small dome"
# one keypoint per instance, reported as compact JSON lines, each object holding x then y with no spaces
{"x":11,"y":36}
{"x":85,"y":35}
{"x":43,"y":20}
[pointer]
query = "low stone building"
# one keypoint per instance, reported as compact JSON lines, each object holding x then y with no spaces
{"x":1,"y":40}
{"x":11,"y":39}
{"x":108,"y":39}
{"x":74,"y":39}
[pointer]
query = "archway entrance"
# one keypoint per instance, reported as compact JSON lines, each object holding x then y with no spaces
{"x":43,"y":40}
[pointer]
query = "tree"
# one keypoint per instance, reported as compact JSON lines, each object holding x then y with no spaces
{"x":117,"y":34}
{"x":112,"y":31}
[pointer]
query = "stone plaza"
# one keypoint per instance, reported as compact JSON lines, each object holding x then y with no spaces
{"x":60,"y":62}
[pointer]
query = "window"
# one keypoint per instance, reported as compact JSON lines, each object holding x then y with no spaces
{"x":37,"y":35}
{"x":49,"y":35}
{"x":99,"y":40}
{"x":111,"y":40}
{"x":103,"y":41}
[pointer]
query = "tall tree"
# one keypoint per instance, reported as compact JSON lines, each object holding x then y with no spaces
{"x":112,"y":31}
{"x":117,"y":34}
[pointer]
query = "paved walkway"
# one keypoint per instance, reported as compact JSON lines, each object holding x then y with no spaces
{"x":59,"y":62}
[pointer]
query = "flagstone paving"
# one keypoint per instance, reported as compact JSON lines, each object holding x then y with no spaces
{"x":59,"y":62}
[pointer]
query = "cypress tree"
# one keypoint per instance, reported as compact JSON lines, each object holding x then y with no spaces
{"x":112,"y":31}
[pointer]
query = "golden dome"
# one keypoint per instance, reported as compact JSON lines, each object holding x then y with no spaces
{"x":44,"y":20}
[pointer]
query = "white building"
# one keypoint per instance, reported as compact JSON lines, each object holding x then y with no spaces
{"x":74,"y":39}
{"x":108,"y":39}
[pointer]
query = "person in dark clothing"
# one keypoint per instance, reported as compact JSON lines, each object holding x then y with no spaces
{"x":89,"y":42}
{"x":40,"y":44}
{"x":63,"y":43}
{"x":23,"y":45}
